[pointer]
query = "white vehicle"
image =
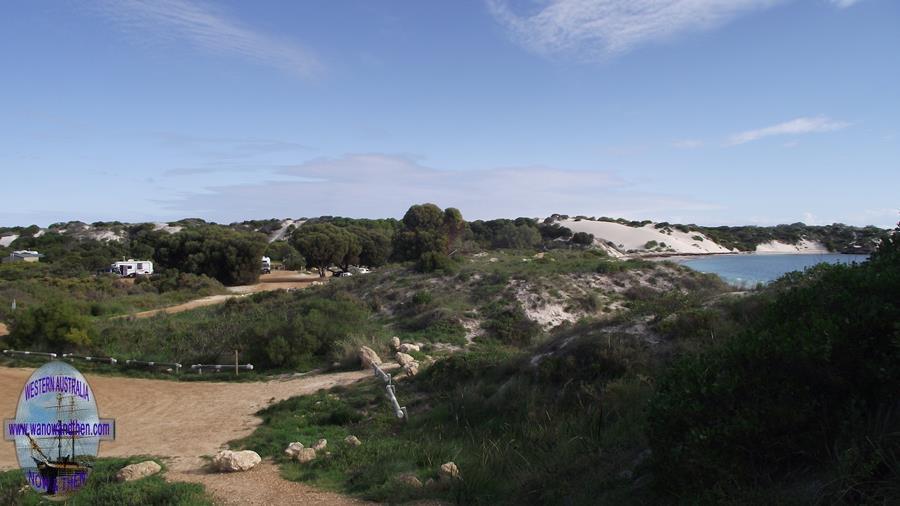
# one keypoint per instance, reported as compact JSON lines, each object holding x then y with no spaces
{"x":131,"y":268}
{"x":266,"y":265}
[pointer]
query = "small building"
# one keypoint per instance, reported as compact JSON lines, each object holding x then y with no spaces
{"x":131,"y":268}
{"x":24,"y":256}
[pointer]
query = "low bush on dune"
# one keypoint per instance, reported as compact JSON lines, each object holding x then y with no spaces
{"x":812,"y":387}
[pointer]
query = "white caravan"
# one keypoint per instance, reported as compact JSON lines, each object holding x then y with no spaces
{"x":131,"y":268}
{"x":266,"y":265}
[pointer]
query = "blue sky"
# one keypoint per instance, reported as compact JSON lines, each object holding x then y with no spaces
{"x":705,"y":111}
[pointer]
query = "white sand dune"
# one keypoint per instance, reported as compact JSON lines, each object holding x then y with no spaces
{"x":165,"y":227}
{"x":6,"y":240}
{"x":635,"y":239}
{"x":805,"y":246}
{"x":281,"y":233}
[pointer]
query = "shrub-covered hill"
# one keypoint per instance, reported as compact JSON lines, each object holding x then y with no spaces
{"x":785,"y":396}
{"x":508,"y":297}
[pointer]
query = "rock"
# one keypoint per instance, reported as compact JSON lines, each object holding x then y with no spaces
{"x":430,"y":483}
{"x":403,"y":358}
{"x":409,"y":480}
{"x":406,"y":348}
{"x":367,"y":357}
{"x":137,"y":471}
{"x":229,"y":461}
{"x":293,"y":449}
{"x":320,"y":445}
{"x":305,"y":455}
{"x":352,"y":441}
{"x":448,"y":472}
{"x":411,"y":368}
{"x":395,"y":343}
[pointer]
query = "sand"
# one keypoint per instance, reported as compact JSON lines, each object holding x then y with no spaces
{"x":803,"y":247}
{"x":6,"y":240}
{"x":279,"y":280}
{"x":185,"y":421}
{"x":3,"y":329}
{"x":627,"y":238}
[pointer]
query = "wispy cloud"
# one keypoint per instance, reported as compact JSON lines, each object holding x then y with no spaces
{"x":376,"y":184}
{"x":798,"y":126}
{"x":843,"y":4}
{"x":599,"y":29}
{"x":206,"y":27}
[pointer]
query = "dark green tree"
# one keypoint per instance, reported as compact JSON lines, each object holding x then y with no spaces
{"x":323,"y":245}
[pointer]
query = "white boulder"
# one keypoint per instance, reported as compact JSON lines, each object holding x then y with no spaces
{"x":293,"y":449}
{"x":367,"y":357}
{"x":406,"y":348}
{"x":137,"y":471}
{"x":305,"y":455}
{"x":403,"y":358}
{"x":231,"y":461}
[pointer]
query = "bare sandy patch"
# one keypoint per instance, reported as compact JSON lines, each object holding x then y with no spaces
{"x":283,"y":280}
{"x":182,"y":421}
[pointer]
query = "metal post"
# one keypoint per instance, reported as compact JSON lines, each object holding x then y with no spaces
{"x":235,"y":362}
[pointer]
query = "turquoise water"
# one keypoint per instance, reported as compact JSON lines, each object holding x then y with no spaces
{"x":748,"y":270}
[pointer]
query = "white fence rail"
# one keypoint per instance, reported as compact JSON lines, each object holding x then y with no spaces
{"x":399,"y":411}
{"x":106,"y":360}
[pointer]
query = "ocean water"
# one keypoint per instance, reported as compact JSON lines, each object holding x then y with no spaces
{"x":748,"y":270}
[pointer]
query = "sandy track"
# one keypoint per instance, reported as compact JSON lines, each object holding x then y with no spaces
{"x":268,"y":487}
{"x":279,"y":280}
{"x":183,"y":421}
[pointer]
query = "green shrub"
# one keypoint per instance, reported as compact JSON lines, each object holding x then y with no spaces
{"x":56,"y":326}
{"x":811,"y":373}
{"x":510,"y":325}
{"x":432,"y":261}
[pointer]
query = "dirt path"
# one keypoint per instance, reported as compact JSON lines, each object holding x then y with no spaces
{"x":279,"y":280}
{"x":185,"y":421}
{"x":268,"y":487}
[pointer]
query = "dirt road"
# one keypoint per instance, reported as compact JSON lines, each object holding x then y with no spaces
{"x":279,"y":280}
{"x":185,"y":421}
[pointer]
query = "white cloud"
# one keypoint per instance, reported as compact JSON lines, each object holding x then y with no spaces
{"x":688,"y":144}
{"x":597,"y":29}
{"x":798,"y":126}
{"x":206,"y":27}
{"x":843,"y":4}
{"x":368,"y":185}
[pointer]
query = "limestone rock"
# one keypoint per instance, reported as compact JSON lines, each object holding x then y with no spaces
{"x":403,"y":358}
{"x":409,"y":480}
{"x":395,"y":343}
{"x":305,"y":455}
{"x":230,"y":461}
{"x":406,"y":348}
{"x":137,"y":471}
{"x":367,"y":357}
{"x":293,"y":449}
{"x":448,"y":472}
{"x":352,"y":441}
{"x":411,"y":368}
{"x":320,"y":445}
